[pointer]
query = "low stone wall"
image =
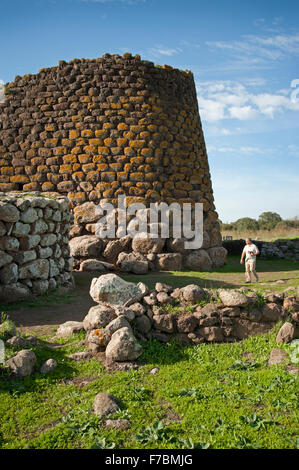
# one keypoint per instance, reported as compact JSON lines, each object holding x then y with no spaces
{"x":34,"y":249}
{"x":127,"y":315}
{"x":283,"y":249}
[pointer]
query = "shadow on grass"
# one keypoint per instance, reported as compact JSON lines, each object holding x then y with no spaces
{"x":66,"y":369}
{"x":156,"y":353}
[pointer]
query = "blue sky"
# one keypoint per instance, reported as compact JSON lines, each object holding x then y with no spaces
{"x":244,"y":56}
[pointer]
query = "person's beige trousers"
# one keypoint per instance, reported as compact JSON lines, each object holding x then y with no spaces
{"x":250,"y":269}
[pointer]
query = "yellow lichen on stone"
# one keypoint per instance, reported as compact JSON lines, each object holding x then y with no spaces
{"x":101,"y":133}
{"x":98,"y":159}
{"x":122,"y":142}
{"x":87,"y":133}
{"x":129,"y":152}
{"x":122,"y":126}
{"x":115,"y":166}
{"x":66,"y":168}
{"x":42,"y":169}
{"x":78,"y":176}
{"x":83,"y":158}
{"x":69,"y":158}
{"x":50,"y":127}
{"x":146,"y":152}
{"x":122,"y":176}
{"x":137,"y":143}
{"x":31,"y":187}
{"x":19,"y":179}
{"x":51,"y":143}
{"x":73,"y":134}
{"x":103,"y":150}
{"x":7,"y":170}
{"x":95,"y":141}
{"x":48,"y":186}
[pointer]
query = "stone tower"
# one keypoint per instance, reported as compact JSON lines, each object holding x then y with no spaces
{"x":95,"y":129}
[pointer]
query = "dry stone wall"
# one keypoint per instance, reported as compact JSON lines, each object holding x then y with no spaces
{"x":96,"y":129}
{"x":34,"y":249}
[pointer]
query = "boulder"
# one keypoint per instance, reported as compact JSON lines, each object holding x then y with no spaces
{"x":22,"y":364}
{"x":286,"y":333}
{"x":48,"y":366}
{"x":132,"y":263}
{"x":123,"y":346}
{"x":116,"y":324}
{"x":112,"y":289}
{"x":5,"y":258}
{"x":115,"y":247}
{"x":277,"y":356}
{"x":38,"y":269}
{"x":98,"y":316}
{"x":212,"y":334}
{"x":218,"y":256}
{"x":186,"y":323}
{"x":40,"y":286}
{"x":233,"y":298}
{"x":176,"y":245}
{"x":271,"y":312}
{"x":86,"y":213}
{"x":138,"y":309}
{"x":164,"y":322}
{"x":230,"y":311}
{"x":86,"y":246}
{"x":105,"y":404}
{"x":169,"y":261}
{"x":164,"y":298}
{"x":9,"y":274}
{"x":141,"y":243}
{"x":193,"y":293}
{"x":93,"y":265}
{"x":8,"y":212}
{"x":69,"y":328}
{"x":198,"y":260}
{"x":18,"y":342}
{"x":161,"y":287}
{"x":122,"y":424}
{"x":80,"y":356}
{"x":290,"y":304}
{"x":143,"y":324}
{"x":295,"y":317}
{"x":16,"y":291}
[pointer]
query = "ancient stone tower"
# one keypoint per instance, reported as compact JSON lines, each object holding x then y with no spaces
{"x":94,"y":129}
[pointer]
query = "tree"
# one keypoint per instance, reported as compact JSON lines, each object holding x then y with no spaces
{"x":246,"y":223}
{"x":269,"y":220}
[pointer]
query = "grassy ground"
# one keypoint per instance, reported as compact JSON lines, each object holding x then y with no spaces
{"x":265,"y":235}
{"x":217,"y":396}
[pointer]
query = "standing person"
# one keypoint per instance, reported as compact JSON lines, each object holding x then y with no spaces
{"x":250,"y":250}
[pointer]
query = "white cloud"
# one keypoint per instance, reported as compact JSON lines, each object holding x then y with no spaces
{"x":163,"y":51}
{"x":237,"y":150}
{"x":259,"y":49}
{"x":234,"y":100}
{"x":242,"y":112}
{"x":211,"y":110}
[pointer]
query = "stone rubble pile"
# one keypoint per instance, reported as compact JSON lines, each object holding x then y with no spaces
{"x":142,"y":253}
{"x":127,"y":315}
{"x":34,"y":249}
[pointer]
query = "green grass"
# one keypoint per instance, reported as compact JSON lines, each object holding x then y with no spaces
{"x":203,"y":396}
